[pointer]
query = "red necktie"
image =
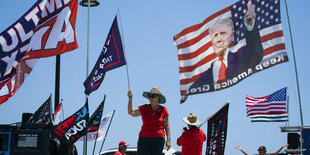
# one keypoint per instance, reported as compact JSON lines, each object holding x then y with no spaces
{"x":222,"y":72}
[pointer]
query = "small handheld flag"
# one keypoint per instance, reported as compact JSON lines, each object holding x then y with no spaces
{"x":111,"y":57}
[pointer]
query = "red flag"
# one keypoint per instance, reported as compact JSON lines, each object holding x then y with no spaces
{"x":46,"y":29}
{"x":57,"y":114}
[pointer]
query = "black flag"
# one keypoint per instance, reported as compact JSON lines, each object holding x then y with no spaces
{"x":95,"y":119}
{"x":71,"y":129}
{"x":43,"y":114}
{"x":217,"y":130}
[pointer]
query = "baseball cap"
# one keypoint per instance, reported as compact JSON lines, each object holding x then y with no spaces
{"x":122,"y":143}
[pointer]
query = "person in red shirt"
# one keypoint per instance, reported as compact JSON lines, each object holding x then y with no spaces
{"x":155,"y":123}
{"x":192,"y":139}
{"x":122,"y":147}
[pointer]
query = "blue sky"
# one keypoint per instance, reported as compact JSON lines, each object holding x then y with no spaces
{"x":148,"y":28}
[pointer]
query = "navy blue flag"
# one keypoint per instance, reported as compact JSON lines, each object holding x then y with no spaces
{"x":111,"y":57}
{"x":74,"y":127}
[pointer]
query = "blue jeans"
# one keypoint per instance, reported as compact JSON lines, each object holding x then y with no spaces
{"x":150,"y":145}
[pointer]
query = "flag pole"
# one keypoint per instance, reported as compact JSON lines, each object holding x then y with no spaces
{"x":95,"y":140}
{"x":287,"y":111}
{"x":87,"y":64}
{"x":123,"y":43}
{"x":107,"y":131}
{"x":98,"y":129}
{"x":298,"y":90}
{"x":296,"y":74}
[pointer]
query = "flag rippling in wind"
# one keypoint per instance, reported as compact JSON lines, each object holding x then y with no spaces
{"x":196,"y":54}
{"x":217,"y":131}
{"x":72,"y":128}
{"x":57,"y":114}
{"x":111,"y":57}
{"x":94,"y":120}
{"x":100,"y":131}
{"x":46,"y":29}
{"x":43,"y":114}
{"x":270,"y":108}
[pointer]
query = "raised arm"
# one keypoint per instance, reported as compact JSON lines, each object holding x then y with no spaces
{"x":239,"y":148}
{"x":283,"y":146}
{"x":167,"y":128}
{"x":132,"y":112}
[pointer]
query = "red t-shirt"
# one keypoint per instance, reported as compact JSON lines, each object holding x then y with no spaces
{"x":119,"y":153}
{"x":153,"y":121}
{"x":191,"y":141}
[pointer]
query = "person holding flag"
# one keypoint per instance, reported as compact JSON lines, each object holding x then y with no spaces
{"x":192,"y":139}
{"x":155,"y":121}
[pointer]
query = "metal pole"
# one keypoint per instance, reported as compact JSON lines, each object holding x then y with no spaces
{"x":106,"y":132}
{"x":98,"y":128}
{"x":57,"y":81}
{"x":299,"y":100}
{"x":296,"y":73}
{"x":87,"y":63}
{"x":123,"y":43}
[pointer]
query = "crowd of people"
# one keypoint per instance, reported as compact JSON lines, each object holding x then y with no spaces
{"x":155,"y":127}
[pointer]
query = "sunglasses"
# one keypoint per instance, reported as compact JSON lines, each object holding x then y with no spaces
{"x":152,"y":95}
{"x":259,"y":150}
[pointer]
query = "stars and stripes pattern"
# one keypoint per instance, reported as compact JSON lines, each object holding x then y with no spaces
{"x":270,"y":108}
{"x":95,"y":119}
{"x":43,"y":114}
{"x":195,"y":52}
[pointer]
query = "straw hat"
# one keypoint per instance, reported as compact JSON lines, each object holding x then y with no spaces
{"x":155,"y":90}
{"x":192,"y":120}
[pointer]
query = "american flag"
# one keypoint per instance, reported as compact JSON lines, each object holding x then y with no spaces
{"x":195,"y":51}
{"x":94,"y":121}
{"x":43,"y":114}
{"x":270,"y":108}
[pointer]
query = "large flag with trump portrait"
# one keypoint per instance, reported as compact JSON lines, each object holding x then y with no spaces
{"x":229,"y":46}
{"x":46,"y":29}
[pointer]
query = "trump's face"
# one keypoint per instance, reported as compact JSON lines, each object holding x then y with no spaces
{"x":221,"y":37}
